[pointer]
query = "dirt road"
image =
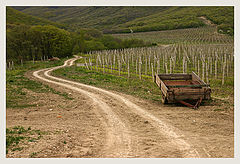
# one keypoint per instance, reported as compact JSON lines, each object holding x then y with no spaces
{"x":101,"y":123}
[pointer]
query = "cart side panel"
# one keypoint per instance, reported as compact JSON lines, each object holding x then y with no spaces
{"x":161,"y":85}
{"x":164,"y":89}
{"x":188,"y":94}
{"x":197,"y":78}
{"x":157,"y":81}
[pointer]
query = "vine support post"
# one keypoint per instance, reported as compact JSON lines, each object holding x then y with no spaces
{"x":170,"y":65}
{"x":216,"y":67}
{"x":13,"y":65}
{"x":146,"y":65}
{"x":9,"y":66}
{"x":166,"y":67}
{"x":103,"y":65}
{"x":136,"y":65}
{"x":128,"y":70}
{"x":119,"y":67}
{"x":152,"y":72}
{"x":97,"y":63}
{"x":21,"y":62}
{"x":140,"y":68}
{"x":224,"y":66}
{"x":158,"y":67}
{"x":183,"y":65}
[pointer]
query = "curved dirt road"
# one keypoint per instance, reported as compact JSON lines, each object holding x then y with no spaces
{"x":116,"y":112}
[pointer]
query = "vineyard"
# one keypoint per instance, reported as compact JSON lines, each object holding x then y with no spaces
{"x":203,"y":35}
{"x":208,"y":61}
{"x":202,"y":50}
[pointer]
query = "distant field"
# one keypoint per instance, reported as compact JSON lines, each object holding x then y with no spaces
{"x":207,"y":35}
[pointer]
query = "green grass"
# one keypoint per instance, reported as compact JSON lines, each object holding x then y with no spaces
{"x":18,"y":135}
{"x":144,"y":88}
{"x":33,"y":155}
{"x":141,"y":88}
{"x":16,"y":82}
{"x":220,"y":90}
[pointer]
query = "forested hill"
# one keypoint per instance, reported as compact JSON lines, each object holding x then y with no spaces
{"x":139,"y":19}
{"x":33,"y":38}
{"x":16,"y":17}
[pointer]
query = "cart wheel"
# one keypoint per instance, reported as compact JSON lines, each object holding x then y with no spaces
{"x":164,"y":100}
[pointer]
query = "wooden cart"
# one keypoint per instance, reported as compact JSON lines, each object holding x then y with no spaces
{"x":182,"y":87}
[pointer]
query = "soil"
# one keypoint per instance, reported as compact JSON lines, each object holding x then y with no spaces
{"x":98,"y":123}
{"x":207,"y":21}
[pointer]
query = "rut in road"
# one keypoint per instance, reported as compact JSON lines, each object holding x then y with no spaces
{"x":119,"y":137}
{"x":118,"y":140}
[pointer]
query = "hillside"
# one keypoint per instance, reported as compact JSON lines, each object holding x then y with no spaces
{"x":95,"y":17}
{"x":33,"y":38}
{"x":179,"y":18}
{"x":16,"y":17}
{"x":121,"y":19}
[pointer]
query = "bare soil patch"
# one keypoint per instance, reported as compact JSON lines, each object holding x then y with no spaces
{"x":80,"y":128}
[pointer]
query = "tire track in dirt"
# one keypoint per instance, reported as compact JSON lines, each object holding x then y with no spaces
{"x":121,"y":134}
{"x":118,"y":138}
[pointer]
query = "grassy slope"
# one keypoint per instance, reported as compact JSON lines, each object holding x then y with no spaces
{"x":120,"y":19}
{"x":16,"y":82}
{"x":96,"y":17}
{"x":17,"y":17}
{"x":178,"y":17}
{"x":144,"y":88}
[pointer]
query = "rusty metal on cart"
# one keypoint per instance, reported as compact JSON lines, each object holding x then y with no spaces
{"x":190,"y":105}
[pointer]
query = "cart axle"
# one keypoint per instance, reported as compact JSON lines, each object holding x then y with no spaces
{"x":190,"y":105}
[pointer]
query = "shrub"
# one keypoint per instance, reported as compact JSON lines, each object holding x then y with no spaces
{"x":225,"y":29}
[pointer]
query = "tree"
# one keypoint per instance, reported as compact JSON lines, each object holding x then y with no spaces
{"x":78,"y":43}
{"x":52,"y":40}
{"x":18,"y":43}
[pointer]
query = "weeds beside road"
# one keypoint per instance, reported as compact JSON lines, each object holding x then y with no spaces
{"x":17,"y":83}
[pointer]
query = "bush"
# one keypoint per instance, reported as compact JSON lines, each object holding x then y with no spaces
{"x":127,"y":43}
{"x":225,"y":29}
{"x":94,"y":45}
{"x":111,"y":42}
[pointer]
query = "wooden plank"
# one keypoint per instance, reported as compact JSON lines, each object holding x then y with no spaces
{"x":163,"y":87}
{"x":157,"y":81}
{"x":160,"y":83}
{"x":175,"y":76}
{"x":188,"y":86}
{"x":191,"y":94}
{"x":188,"y":90}
{"x":196,"y":78}
{"x":187,"y":97}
